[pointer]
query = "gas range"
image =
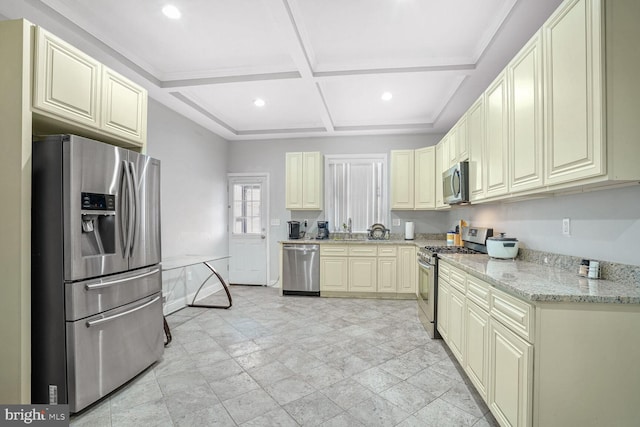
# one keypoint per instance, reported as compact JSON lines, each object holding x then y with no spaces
{"x":428,"y":253}
{"x":474,"y":239}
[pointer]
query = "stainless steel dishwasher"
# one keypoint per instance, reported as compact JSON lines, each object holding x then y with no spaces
{"x":301,"y":269}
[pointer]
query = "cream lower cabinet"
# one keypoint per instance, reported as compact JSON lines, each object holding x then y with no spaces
{"x":407,"y":270}
{"x":334,"y":268}
{"x":386,"y":269}
{"x":476,"y":363}
{"x":487,"y":331}
{"x":443,"y":308}
{"x":456,"y":324}
{"x":334,"y":274}
{"x":363,"y":274}
{"x":510,"y":376}
{"x":387,"y":274}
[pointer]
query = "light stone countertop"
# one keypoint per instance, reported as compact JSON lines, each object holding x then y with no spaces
{"x":417,"y":242}
{"x":540,"y":283}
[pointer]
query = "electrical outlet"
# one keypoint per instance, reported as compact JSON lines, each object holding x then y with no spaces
{"x":189,"y":276}
{"x":566,"y":227}
{"x":396,"y":222}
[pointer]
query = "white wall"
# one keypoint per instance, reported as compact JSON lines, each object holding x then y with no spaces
{"x":193,"y":194}
{"x":269,"y":157}
{"x":605,"y":224}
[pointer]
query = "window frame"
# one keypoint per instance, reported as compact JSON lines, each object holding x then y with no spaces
{"x":384,"y":159}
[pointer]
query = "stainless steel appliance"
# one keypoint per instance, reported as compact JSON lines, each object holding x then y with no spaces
{"x":455,"y":184}
{"x":474,"y":243}
{"x":96,"y":282}
{"x":323,"y":230}
{"x":294,"y":230}
{"x":301,"y":269}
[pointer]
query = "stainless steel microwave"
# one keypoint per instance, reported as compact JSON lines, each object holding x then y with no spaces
{"x":455,"y":184}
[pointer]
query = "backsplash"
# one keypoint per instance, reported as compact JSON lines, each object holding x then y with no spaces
{"x":608,"y":270}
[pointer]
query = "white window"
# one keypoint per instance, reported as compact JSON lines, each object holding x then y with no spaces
{"x":356,"y":188}
{"x":246,"y":205}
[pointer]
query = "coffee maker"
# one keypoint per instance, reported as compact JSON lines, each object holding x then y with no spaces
{"x":294,"y":230}
{"x":323,"y":230}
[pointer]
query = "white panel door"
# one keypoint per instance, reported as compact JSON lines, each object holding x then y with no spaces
{"x":248,"y":210}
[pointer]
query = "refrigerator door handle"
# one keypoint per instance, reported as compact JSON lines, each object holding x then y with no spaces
{"x":130,"y":208}
{"x":136,"y":210}
{"x":91,"y":323}
{"x":101,"y":285}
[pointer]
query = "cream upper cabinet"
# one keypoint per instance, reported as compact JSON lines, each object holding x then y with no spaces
{"x":462,"y":141}
{"x":524,"y":76}
{"x":425,"y":178}
{"x":402,"y":179}
{"x":73,"y":92}
{"x":574,"y":144}
{"x":407,"y":270}
{"x":124,"y":107}
{"x":510,"y":393}
{"x":496,"y":166}
{"x":67,"y":81}
{"x":476,"y":142}
{"x":303,"y":181}
{"x":441,"y":156}
{"x":451,"y":143}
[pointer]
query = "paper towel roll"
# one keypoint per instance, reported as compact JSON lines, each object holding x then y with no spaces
{"x":409,"y":230}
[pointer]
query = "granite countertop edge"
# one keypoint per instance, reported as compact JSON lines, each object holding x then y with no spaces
{"x":544,"y":284}
{"x":417,"y":242}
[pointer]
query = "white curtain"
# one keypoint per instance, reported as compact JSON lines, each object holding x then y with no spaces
{"x":355,"y":188}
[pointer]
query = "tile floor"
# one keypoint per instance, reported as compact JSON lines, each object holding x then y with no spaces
{"x":289,"y":361}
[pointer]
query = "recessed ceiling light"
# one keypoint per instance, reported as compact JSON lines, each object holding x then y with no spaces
{"x":171,"y":11}
{"x":258,"y":102}
{"x":386,"y":96}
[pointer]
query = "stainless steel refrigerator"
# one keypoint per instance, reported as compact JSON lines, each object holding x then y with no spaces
{"x":96,"y":281}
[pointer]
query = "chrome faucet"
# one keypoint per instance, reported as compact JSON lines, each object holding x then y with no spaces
{"x":349,"y":227}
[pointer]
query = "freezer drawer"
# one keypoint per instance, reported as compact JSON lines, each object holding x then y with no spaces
{"x":105,"y":351}
{"x":89,"y":297}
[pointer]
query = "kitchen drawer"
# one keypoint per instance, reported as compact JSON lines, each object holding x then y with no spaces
{"x":363,"y":250}
{"x":333,"y":250}
{"x":387,"y":250}
{"x":444,"y":271}
{"x":514,"y":313}
{"x":458,"y":279}
{"x":479,"y":292}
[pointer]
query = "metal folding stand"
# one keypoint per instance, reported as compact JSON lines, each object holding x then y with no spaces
{"x":222,"y":282}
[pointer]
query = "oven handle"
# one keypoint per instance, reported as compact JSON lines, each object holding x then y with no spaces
{"x":424,"y":265}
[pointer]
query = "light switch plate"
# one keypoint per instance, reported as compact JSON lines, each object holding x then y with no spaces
{"x":396,"y":222}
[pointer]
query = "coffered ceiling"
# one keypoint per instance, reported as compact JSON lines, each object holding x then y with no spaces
{"x":321,"y":66}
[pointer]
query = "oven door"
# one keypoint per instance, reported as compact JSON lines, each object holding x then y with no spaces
{"x":427,"y":297}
